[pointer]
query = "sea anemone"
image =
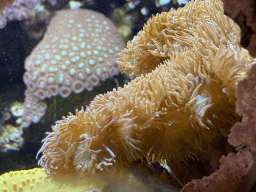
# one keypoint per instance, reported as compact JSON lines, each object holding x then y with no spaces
{"x":168,"y":32}
{"x":178,"y":113}
{"x":87,"y":141}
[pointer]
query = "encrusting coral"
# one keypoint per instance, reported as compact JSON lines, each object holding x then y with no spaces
{"x":186,"y":106}
{"x":37,"y":180}
{"x":78,"y":50}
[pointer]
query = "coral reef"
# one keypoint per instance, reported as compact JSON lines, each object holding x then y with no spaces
{"x":78,"y":50}
{"x":176,"y":114}
{"x":186,"y":105}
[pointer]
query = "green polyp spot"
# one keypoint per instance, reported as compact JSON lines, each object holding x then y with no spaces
{"x":100,"y":59}
{"x":97,"y":21}
{"x":74,"y":38}
{"x":71,"y":54}
{"x":72,"y":71}
{"x":89,"y":46}
{"x":98,"y":71}
{"x":35,"y":118}
{"x":43,"y":51}
{"x":116,"y":48}
{"x":39,"y":56}
{"x":43,"y":67}
{"x":87,"y":70}
{"x":65,"y":46}
{"x":105,"y":55}
{"x":81,"y":76}
{"x":38,"y":62}
{"x":50,"y":79}
{"x":91,"y":61}
{"x":47,"y":56}
{"x":66,"y":40}
{"x":61,"y":77}
{"x":89,"y":52}
{"x":57,"y":57}
{"x":89,"y":20}
{"x":83,"y":54}
{"x":61,"y":46}
{"x":63,"y":67}
{"x":83,"y":45}
{"x":77,"y":57}
{"x":35,"y":75}
{"x":53,"y":61}
{"x":89,"y":29}
{"x":54,"y":50}
{"x":96,"y":52}
{"x":67,"y":81}
{"x":105,"y":23}
{"x":111,"y":51}
{"x":46,"y":46}
{"x":103,"y":38}
{"x":80,"y":65}
{"x":75,"y":48}
{"x":96,"y":40}
{"x":63,"y":53}
{"x":104,"y":68}
{"x":99,"y":47}
{"x":104,"y":49}
{"x":107,"y":27}
{"x":41,"y":83}
{"x":67,"y":62}
{"x":93,"y":44}
{"x":82,"y":30}
{"x":79,"y":25}
{"x":53,"y":69}
{"x":73,"y":60}
{"x":71,"y":21}
{"x":81,"y":35}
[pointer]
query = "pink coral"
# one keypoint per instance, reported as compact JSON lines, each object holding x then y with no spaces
{"x":231,"y":175}
{"x":245,"y":132}
{"x":243,"y":12}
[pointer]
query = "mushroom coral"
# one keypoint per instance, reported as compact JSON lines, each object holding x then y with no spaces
{"x":178,"y":113}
